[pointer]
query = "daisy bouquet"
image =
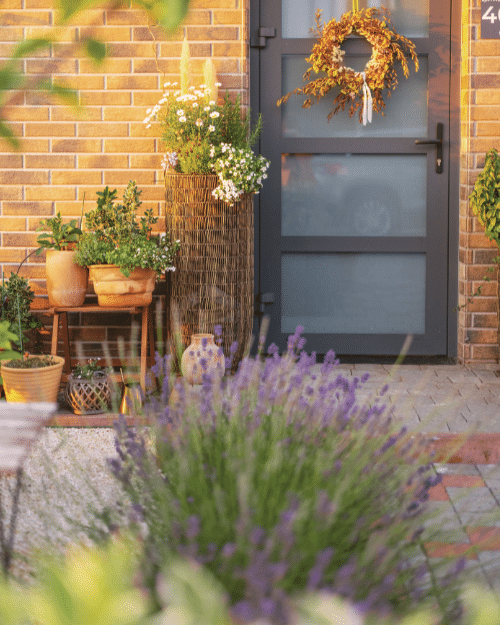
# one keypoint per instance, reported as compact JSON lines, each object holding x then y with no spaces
{"x":202,"y":136}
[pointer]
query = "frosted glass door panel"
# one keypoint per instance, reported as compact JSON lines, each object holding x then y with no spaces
{"x":405,"y":110}
{"x":353,"y":293}
{"x":353,"y":195}
{"x":410,"y":17}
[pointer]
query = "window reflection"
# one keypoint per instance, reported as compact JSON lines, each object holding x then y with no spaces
{"x":406,"y":108}
{"x":353,"y":293}
{"x":410,"y":18}
{"x":353,"y":195}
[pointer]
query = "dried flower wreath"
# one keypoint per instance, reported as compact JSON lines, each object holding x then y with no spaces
{"x":362,"y":90}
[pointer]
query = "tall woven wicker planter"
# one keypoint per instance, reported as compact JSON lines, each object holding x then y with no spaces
{"x":213,"y":280}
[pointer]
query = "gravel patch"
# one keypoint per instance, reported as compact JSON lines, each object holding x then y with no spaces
{"x":65,"y":480}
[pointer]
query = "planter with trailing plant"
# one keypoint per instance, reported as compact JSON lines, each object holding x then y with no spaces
{"x":123,"y":256}
{"x":89,"y":389}
{"x":211,"y":175}
{"x":66,"y":281}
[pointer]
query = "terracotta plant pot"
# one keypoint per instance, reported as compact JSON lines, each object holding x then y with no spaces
{"x":66,"y":281}
{"x":32,"y":385}
{"x":115,"y":289}
{"x":191,"y":361}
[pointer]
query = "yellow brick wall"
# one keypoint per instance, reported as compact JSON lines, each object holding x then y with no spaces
{"x":480,"y":131}
{"x":65,"y":156}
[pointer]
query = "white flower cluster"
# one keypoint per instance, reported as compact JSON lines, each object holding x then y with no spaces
{"x":169,"y":161}
{"x":240,"y":171}
{"x":188,"y":98}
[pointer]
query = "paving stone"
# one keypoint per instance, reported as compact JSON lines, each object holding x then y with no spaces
{"x":458,"y":424}
{"x":456,"y":469}
{"x":478,"y":499}
{"x":457,"y":377}
{"x":489,"y":471}
{"x":489,"y":375}
{"x":479,"y":519}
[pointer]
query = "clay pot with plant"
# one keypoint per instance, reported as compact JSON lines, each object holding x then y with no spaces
{"x":66,"y":281}
{"x":25,"y":378}
{"x":123,"y":256}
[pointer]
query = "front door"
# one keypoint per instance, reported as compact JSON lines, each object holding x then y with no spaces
{"x":353,"y":220}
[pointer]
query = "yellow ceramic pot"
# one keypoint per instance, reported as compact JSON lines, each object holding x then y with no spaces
{"x":32,"y":385}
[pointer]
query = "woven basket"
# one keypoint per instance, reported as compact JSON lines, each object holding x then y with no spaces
{"x":213,"y":281}
{"x":89,"y":396}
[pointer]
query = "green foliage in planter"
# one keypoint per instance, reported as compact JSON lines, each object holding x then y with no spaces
{"x":33,"y":362}
{"x":16,"y":296}
{"x":485,"y":198}
{"x":86,"y":371}
{"x":60,"y":236}
{"x":6,"y":339}
{"x":114,"y":235}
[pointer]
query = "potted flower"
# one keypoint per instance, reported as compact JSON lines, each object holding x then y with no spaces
{"x":66,"y":281}
{"x":211,"y":175}
{"x":89,"y":389}
{"x":122,"y":254}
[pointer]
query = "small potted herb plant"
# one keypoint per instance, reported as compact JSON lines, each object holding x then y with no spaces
{"x":66,"y":281}
{"x":89,"y":388}
{"x":122,"y":254}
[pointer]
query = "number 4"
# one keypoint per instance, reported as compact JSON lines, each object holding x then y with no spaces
{"x":489,"y":15}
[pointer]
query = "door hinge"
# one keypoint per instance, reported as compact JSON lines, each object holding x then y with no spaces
{"x":261,"y":301}
{"x":260,"y":40}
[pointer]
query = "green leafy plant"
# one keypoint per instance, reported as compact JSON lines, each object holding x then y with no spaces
{"x":115,"y":235}
{"x":485,"y":202}
{"x":86,"y":371}
{"x":16,"y":296}
{"x":200,"y":134}
{"x":60,"y":236}
{"x":485,"y":198}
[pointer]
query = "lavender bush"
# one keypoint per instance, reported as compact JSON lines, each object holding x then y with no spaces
{"x":279,"y":482}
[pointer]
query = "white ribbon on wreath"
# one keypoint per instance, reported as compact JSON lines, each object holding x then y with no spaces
{"x":367,"y":102}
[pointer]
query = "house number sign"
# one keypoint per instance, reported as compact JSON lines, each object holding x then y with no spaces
{"x":490,"y":19}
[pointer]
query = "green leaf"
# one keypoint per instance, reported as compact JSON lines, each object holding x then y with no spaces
{"x":169,"y":13}
{"x":30,"y":45}
{"x":9,"y":78}
{"x":69,"y":8}
{"x":7,"y":133}
{"x":65,"y":93}
{"x":96,"y":50}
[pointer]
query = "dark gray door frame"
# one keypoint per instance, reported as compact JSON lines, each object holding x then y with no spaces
{"x":452,"y":133}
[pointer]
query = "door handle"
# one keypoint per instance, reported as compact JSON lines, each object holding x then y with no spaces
{"x":438,"y":142}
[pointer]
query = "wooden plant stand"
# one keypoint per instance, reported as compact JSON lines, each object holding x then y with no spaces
{"x":59,"y":314}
